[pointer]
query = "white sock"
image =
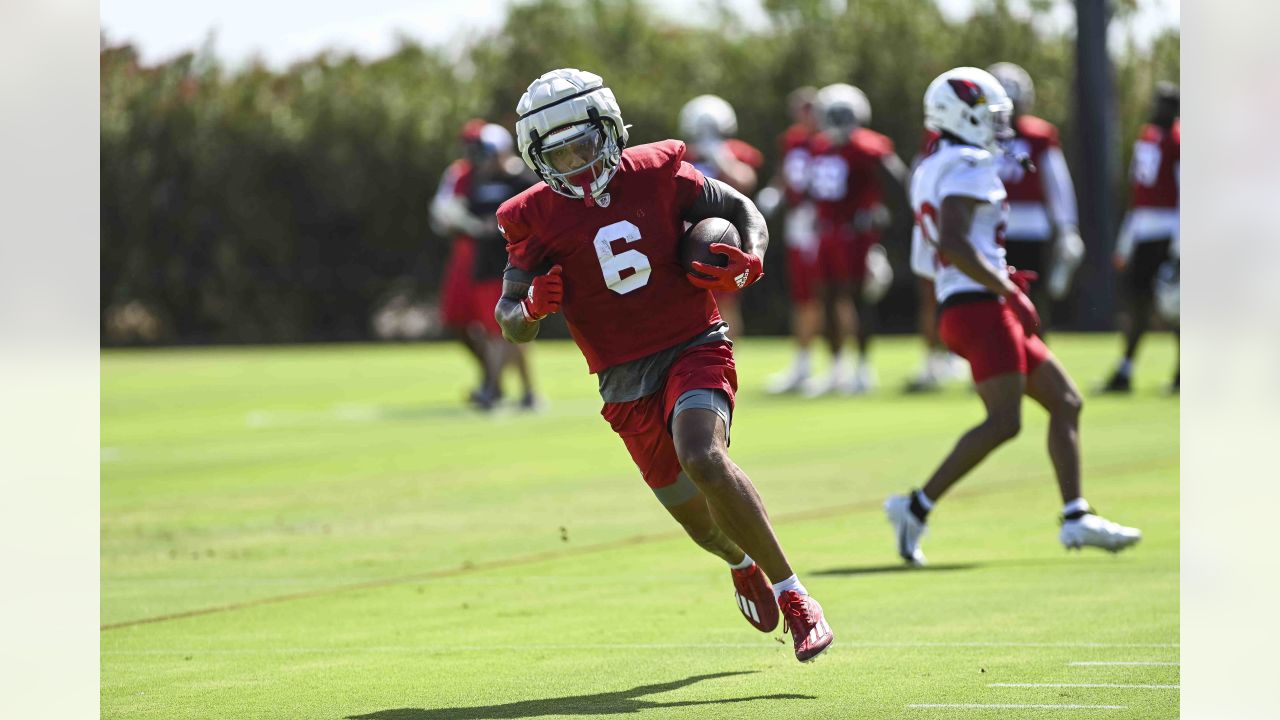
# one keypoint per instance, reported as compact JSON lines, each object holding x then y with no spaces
{"x":1075,"y":506}
{"x":803,"y":362}
{"x":924,"y":500}
{"x":1126,"y":367}
{"x":746,"y":563}
{"x":791,"y":583}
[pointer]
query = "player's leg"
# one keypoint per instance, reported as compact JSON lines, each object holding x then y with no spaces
{"x":699,"y":435}
{"x":864,"y":379}
{"x":1050,"y":386}
{"x":930,"y":375}
{"x":1139,"y":285}
{"x":695,"y":517}
{"x":806,"y":320}
{"x":1002,"y":397}
{"x":989,"y":336}
{"x":518,"y":357}
{"x":701,"y":440}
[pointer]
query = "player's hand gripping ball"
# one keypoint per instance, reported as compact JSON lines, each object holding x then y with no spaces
{"x":545,"y":294}
{"x":712,"y":255}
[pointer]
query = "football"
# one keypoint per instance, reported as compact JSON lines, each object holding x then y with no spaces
{"x":698,"y":239}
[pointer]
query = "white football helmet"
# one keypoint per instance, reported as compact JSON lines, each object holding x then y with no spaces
{"x":970,"y":105}
{"x":841,"y":109}
{"x":571,"y":132}
{"x":1017,"y":84}
{"x":708,"y":117}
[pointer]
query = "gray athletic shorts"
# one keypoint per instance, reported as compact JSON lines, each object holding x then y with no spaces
{"x":683,"y":489}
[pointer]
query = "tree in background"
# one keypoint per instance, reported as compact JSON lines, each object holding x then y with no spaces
{"x":268,"y":206}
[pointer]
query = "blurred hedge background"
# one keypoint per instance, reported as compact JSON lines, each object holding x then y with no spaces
{"x":253,"y":205}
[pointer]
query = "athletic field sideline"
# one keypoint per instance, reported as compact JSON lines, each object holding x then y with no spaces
{"x":325,"y":532}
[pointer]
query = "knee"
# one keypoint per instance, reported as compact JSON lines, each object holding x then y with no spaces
{"x":1071,"y":405}
{"x":706,"y":465}
{"x":1005,"y":427}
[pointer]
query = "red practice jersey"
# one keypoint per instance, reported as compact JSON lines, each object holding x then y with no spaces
{"x":844,"y":179}
{"x":795,"y":163}
{"x":1032,"y":137}
{"x":1154,"y":172}
{"x":626,"y":295}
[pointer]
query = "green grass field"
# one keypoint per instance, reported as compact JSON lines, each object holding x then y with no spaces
{"x":325,"y":533}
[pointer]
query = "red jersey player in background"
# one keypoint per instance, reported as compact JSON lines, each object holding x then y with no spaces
{"x":1043,"y":233}
{"x":599,"y":240}
{"x":1149,"y":236}
{"x":708,"y":125}
{"x":789,"y":188}
{"x":449,"y":217}
{"x":985,"y":314}
{"x":851,"y":170}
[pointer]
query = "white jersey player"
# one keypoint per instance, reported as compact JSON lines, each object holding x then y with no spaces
{"x":984,"y":313}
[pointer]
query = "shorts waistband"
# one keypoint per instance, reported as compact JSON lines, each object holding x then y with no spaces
{"x":965,"y":298}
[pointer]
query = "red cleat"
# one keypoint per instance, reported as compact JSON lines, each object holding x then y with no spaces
{"x":755,"y":598}
{"x":809,"y":630}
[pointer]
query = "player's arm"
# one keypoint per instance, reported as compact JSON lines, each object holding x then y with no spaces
{"x":717,"y":199}
{"x":516,"y":324}
{"x":956,"y":219}
{"x":523,"y":304}
{"x":894,"y":176}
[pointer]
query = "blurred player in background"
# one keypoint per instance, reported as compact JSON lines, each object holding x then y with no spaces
{"x":470,"y":193}
{"x":851,"y":170}
{"x":1043,"y":233}
{"x":789,"y":188}
{"x":709,"y":125}
{"x":985,"y":314}
{"x":1149,"y":236}
{"x":599,"y":240}
{"x":449,"y":217}
{"x":940,"y":364}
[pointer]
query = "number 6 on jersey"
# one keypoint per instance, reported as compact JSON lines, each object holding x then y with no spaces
{"x":613,"y":266}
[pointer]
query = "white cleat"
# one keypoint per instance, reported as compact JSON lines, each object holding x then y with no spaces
{"x":1096,"y":531}
{"x":862,"y":382}
{"x":824,"y":384}
{"x":907,"y":528}
{"x":787,"y":381}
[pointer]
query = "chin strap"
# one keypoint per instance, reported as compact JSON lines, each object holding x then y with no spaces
{"x":586,"y":194}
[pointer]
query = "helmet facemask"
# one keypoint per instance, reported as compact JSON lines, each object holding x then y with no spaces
{"x":577,"y":160}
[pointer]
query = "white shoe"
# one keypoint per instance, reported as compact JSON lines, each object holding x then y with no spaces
{"x":787,"y":381}
{"x":907,"y":528}
{"x":862,"y":382}
{"x":1096,"y":531}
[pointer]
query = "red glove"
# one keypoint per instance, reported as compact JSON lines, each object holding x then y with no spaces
{"x":545,"y":294}
{"x":743,"y":270}
{"x":1023,"y":278}
{"x":1025,"y":310}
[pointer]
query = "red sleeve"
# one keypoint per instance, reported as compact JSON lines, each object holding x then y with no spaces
{"x":666,"y":160}
{"x":745,"y":153}
{"x":873,"y":143}
{"x":524,"y":250}
{"x":1040,"y":132}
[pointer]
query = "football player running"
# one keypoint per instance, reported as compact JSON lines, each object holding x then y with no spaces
{"x":708,"y":125}
{"x":598,"y":240}
{"x":1043,"y":233}
{"x":1149,"y":236}
{"x":851,"y":171}
{"x":985,"y":314}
